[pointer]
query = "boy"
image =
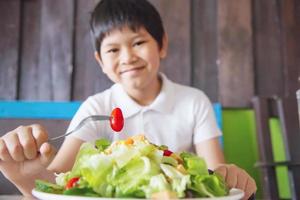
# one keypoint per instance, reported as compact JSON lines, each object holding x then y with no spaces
{"x":129,"y":42}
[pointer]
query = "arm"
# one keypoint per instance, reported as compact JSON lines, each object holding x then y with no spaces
{"x":211,"y":151}
{"x":65,"y":158}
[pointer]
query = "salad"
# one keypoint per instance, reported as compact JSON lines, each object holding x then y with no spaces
{"x":135,"y":168}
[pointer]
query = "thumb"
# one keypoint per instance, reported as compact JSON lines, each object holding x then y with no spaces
{"x":221,"y":170}
{"x":47,"y":154}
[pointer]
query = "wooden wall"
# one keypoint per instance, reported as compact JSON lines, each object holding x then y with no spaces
{"x":231,"y":49}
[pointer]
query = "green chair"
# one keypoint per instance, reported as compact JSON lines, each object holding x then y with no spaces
{"x":240,"y":144}
{"x":286,"y":110}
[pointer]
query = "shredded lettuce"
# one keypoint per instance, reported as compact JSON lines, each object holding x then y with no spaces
{"x":136,"y":168}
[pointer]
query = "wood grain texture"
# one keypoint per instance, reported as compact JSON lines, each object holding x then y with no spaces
{"x":56,"y":47}
{"x":88,"y":77}
{"x":57,"y":62}
{"x":236,"y":80}
{"x":30,"y":47}
{"x":290,"y":24}
{"x":204,"y":47}
{"x":267,"y":45}
{"x":176,"y":18}
{"x":9,"y":48}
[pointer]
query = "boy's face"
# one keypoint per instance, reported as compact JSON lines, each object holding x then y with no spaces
{"x":131,"y":58}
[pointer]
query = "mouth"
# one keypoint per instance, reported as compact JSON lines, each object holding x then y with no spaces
{"x":132,"y":69}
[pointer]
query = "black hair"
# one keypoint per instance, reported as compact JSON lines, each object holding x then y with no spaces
{"x":112,"y":14}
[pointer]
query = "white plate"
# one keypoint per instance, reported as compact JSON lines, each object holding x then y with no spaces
{"x":234,"y":194}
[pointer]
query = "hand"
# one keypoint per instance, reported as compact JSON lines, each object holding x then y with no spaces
{"x":24,"y":154}
{"x":236,"y":177}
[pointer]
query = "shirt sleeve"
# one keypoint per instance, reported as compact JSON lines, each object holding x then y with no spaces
{"x":205,"y":121}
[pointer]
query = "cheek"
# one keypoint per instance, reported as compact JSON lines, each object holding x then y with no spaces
{"x":108,"y":65}
{"x":155,"y":61}
{"x":152,"y":58}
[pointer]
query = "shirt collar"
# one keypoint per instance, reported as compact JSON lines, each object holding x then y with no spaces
{"x":162,"y":103}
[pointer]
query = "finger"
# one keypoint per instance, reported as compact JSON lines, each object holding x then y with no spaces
{"x":4,"y":154}
{"x":28,"y":142}
{"x":221,"y":170}
{"x":231,"y":176}
{"x":40,"y":134}
{"x":47,"y":154}
{"x":250,"y":188}
{"x":242,"y":180}
{"x":246,"y":194}
{"x":14,"y":147}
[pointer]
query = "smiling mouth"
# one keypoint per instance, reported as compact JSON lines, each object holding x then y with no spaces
{"x":132,"y":69}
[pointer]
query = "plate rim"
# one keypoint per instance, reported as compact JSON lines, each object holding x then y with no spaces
{"x":238,"y":193}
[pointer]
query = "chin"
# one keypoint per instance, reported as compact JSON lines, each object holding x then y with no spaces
{"x":136,"y":85}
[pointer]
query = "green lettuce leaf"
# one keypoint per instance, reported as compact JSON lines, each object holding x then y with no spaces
{"x":179,"y":181}
{"x":130,"y":180}
{"x":102,"y":144}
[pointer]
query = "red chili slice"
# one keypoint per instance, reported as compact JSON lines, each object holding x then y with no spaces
{"x":72,"y":182}
{"x":116,"y":120}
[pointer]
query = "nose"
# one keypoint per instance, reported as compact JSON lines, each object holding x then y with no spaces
{"x":128,"y":56}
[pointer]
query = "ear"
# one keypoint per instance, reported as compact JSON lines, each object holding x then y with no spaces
{"x":164,"y":49}
{"x":98,"y":59}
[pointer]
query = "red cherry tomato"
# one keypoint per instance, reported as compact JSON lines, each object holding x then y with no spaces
{"x":167,"y":152}
{"x":116,"y":120}
{"x":72,"y":183}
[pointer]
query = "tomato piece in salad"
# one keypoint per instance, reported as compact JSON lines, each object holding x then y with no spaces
{"x":72,"y":182}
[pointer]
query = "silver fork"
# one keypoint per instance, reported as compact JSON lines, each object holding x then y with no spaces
{"x":82,"y":123}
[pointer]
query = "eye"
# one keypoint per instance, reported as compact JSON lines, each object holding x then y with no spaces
{"x":139,"y":43}
{"x":114,"y":50}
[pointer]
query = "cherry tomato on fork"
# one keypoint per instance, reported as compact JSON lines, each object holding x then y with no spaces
{"x":167,"y":152}
{"x":116,"y":120}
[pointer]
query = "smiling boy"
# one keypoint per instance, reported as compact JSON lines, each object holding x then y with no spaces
{"x":130,"y":43}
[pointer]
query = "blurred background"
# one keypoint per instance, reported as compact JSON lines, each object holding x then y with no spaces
{"x":233,"y":50}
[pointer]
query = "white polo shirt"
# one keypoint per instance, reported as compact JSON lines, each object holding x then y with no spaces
{"x":179,"y":117}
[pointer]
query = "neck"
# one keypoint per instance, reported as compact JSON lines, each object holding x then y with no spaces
{"x":146,"y":96}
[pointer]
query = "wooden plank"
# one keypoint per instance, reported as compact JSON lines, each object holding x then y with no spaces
{"x":290,"y":24}
{"x":267,"y":45}
{"x":176,"y":18}
{"x":204,"y":47}
{"x":30,"y":47}
{"x":9,"y":48}
{"x":88,"y":77}
{"x":55,"y":56}
{"x":236,"y":81}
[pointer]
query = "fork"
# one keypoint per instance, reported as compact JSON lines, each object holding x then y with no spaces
{"x":82,"y":123}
